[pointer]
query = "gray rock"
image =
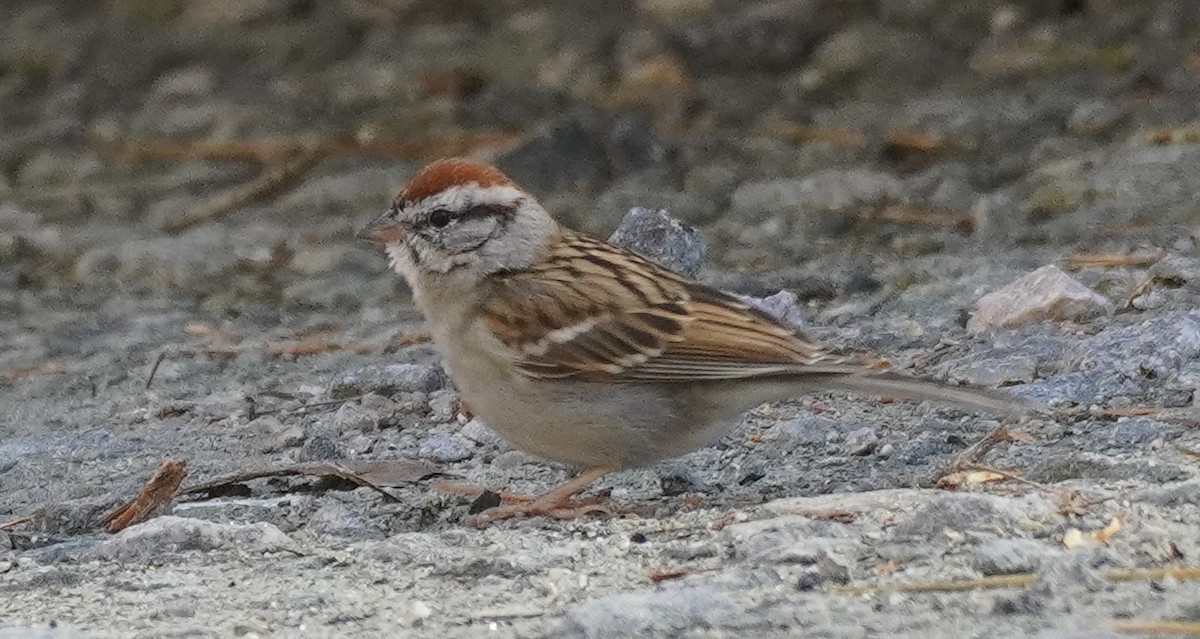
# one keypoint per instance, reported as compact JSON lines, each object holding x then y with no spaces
{"x":924,"y":448}
{"x":57,"y":632}
{"x":87,"y":445}
{"x":1153,"y":357}
{"x":479,"y":433}
{"x":860,"y":442}
{"x":1096,"y":117}
{"x":334,"y":518}
{"x":1010,"y":556}
{"x":321,"y":447}
{"x":1081,"y":631}
{"x":1172,"y":495}
{"x":1178,"y":270}
{"x":956,"y":512}
{"x":1030,"y":601}
{"x":351,"y":418}
{"x":1155,"y":350}
{"x":650,"y":613}
{"x":797,"y":541}
{"x":1057,"y":467}
{"x":1070,"y":572}
{"x":515,"y":459}
{"x":445,"y":448}
{"x":1131,"y":432}
{"x":168,"y":535}
{"x":994,"y":369}
{"x":663,"y":239}
{"x":386,"y":380}
{"x":1088,"y":387}
{"x":809,"y":430}
{"x":443,"y":406}
{"x":73,"y":551}
{"x":783,"y":306}
{"x":276,"y":435}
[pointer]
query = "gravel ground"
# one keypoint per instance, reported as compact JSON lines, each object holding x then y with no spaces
{"x":884,"y":164}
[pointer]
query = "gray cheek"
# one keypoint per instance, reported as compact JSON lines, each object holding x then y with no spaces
{"x":468,"y":236}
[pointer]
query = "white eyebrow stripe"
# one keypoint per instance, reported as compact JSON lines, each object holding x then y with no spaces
{"x":460,"y":197}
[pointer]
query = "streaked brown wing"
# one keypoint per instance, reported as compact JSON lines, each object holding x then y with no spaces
{"x":594,"y":311}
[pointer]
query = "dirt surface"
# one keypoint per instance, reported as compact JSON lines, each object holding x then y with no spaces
{"x":888,"y":163}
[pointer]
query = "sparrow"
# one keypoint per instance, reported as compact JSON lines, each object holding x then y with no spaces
{"x":582,"y":352}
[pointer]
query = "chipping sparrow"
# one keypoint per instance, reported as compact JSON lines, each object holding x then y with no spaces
{"x":579,"y":351}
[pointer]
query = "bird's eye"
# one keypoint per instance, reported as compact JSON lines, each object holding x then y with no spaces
{"x":440,"y":218}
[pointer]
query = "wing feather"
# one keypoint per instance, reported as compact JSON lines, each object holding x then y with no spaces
{"x":594,"y":311}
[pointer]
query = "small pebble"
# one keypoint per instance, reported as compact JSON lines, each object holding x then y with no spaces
{"x":445,"y":448}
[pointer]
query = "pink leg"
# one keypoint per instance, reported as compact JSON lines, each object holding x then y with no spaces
{"x":556,"y":503}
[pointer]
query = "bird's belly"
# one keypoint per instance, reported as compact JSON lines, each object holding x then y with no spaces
{"x":585,"y":424}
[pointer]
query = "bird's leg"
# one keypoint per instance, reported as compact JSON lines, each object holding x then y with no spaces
{"x":556,"y":503}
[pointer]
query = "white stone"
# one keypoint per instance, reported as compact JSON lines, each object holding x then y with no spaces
{"x":1045,"y":294}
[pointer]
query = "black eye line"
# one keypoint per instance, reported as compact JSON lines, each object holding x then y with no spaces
{"x":442,"y":217}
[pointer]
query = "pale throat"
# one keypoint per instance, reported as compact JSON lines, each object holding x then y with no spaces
{"x":399,"y":260}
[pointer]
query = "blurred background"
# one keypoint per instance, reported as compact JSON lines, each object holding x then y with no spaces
{"x":226,"y":150}
{"x":181,"y":181}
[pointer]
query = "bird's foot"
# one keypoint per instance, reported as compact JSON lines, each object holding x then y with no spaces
{"x":558,"y":503}
{"x":563,"y":509}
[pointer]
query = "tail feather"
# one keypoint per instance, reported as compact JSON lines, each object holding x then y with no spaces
{"x":910,"y":388}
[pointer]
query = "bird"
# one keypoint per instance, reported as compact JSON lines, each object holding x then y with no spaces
{"x":579,"y":351}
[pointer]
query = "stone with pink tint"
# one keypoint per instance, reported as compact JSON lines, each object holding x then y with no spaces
{"x":1045,"y":294}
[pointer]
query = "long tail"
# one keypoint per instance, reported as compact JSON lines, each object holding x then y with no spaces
{"x":910,"y":388}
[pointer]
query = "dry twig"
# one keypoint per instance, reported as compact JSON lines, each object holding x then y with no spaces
{"x":274,"y":150}
{"x":837,"y":516}
{"x":975,"y":453}
{"x":1157,"y":626}
{"x":365,"y":474}
{"x":1141,"y":289}
{"x":1129,"y":411}
{"x":915,"y":141}
{"x":1083,"y":260}
{"x":314,"y":347}
{"x":271,"y":182}
{"x":1187,"y":134}
{"x":659,"y":576}
{"x":807,"y":133}
{"x":158,"y":491}
{"x":158,"y":359}
{"x":1070,"y":501}
{"x":15,"y":522}
{"x":957,"y":220}
{"x":48,"y":368}
{"x":1182,"y":573}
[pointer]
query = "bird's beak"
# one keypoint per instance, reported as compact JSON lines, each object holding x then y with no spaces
{"x":384,"y":230}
